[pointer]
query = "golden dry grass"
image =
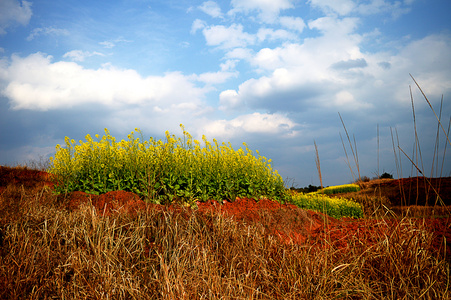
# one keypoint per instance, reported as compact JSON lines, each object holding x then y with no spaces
{"x":49,"y":252}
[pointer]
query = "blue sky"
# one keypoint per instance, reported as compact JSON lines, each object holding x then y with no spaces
{"x":271,"y":73}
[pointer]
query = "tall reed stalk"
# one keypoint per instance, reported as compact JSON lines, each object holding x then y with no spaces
{"x":354,"y":153}
{"x":417,"y":150}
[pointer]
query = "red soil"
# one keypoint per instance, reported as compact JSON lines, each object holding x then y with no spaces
{"x":288,"y":222}
{"x":23,"y":177}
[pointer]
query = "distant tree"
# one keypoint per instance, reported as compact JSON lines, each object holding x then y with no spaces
{"x":364,"y":179}
{"x":386,"y":175}
{"x":312,"y":188}
{"x":307,"y":189}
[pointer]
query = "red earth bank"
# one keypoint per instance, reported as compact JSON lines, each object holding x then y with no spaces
{"x":417,"y":191}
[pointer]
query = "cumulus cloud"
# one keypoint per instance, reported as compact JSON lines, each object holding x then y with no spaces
{"x":396,"y":9}
{"x":372,"y":7}
{"x":211,"y":8}
{"x":331,"y":71}
{"x":333,"y":25}
{"x":14,"y":12}
{"x":268,"y":92}
{"x":251,"y":123}
{"x":429,"y":60}
{"x":228,"y":65}
{"x":46,"y":31}
{"x":228,"y":37}
{"x":345,"y":100}
{"x":293,"y":23}
{"x":35,"y":82}
{"x":239,"y":53}
{"x":340,"y":7}
{"x":273,"y":35}
{"x":268,"y":10}
{"x":215,"y":77}
{"x":299,"y":73}
{"x":197,"y":25}
{"x":229,"y":100}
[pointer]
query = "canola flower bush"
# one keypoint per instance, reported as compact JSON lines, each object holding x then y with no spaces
{"x":163,"y":171}
{"x":332,"y":206}
{"x":338,"y":189}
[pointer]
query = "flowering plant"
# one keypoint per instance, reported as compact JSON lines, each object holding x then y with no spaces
{"x":164,"y":171}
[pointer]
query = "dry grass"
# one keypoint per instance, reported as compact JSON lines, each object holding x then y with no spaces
{"x":48,"y":252}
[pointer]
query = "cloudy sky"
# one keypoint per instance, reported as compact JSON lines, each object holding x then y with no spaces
{"x":272,"y":73}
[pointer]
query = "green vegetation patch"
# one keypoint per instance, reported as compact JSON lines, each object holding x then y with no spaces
{"x":163,"y":171}
{"x":338,"y":189}
{"x":332,"y":206}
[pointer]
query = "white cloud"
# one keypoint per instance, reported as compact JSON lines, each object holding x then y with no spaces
{"x":197,"y":25}
{"x":229,"y":100}
{"x":429,"y":61}
{"x":211,"y":8}
{"x":239,"y":53}
{"x":268,"y":10}
{"x":46,"y":31}
{"x":107,"y":44}
{"x":215,"y":77}
{"x":286,"y":89}
{"x":273,"y":35}
{"x":341,"y":7}
{"x":345,"y":101}
{"x":334,"y":26}
{"x":396,"y":9}
{"x":228,"y":65}
{"x":332,"y":71}
{"x":250,"y":123}
{"x":35,"y":82}
{"x":268,"y":59}
{"x":14,"y":12}
{"x":112,"y":43}
{"x":371,"y":7}
{"x":228,"y":37}
{"x":293,"y":23}
{"x":79,"y":55}
{"x":315,"y":54}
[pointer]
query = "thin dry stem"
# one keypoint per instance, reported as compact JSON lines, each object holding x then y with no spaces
{"x":318,"y":166}
{"x":430,"y":105}
{"x":354,"y":154}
